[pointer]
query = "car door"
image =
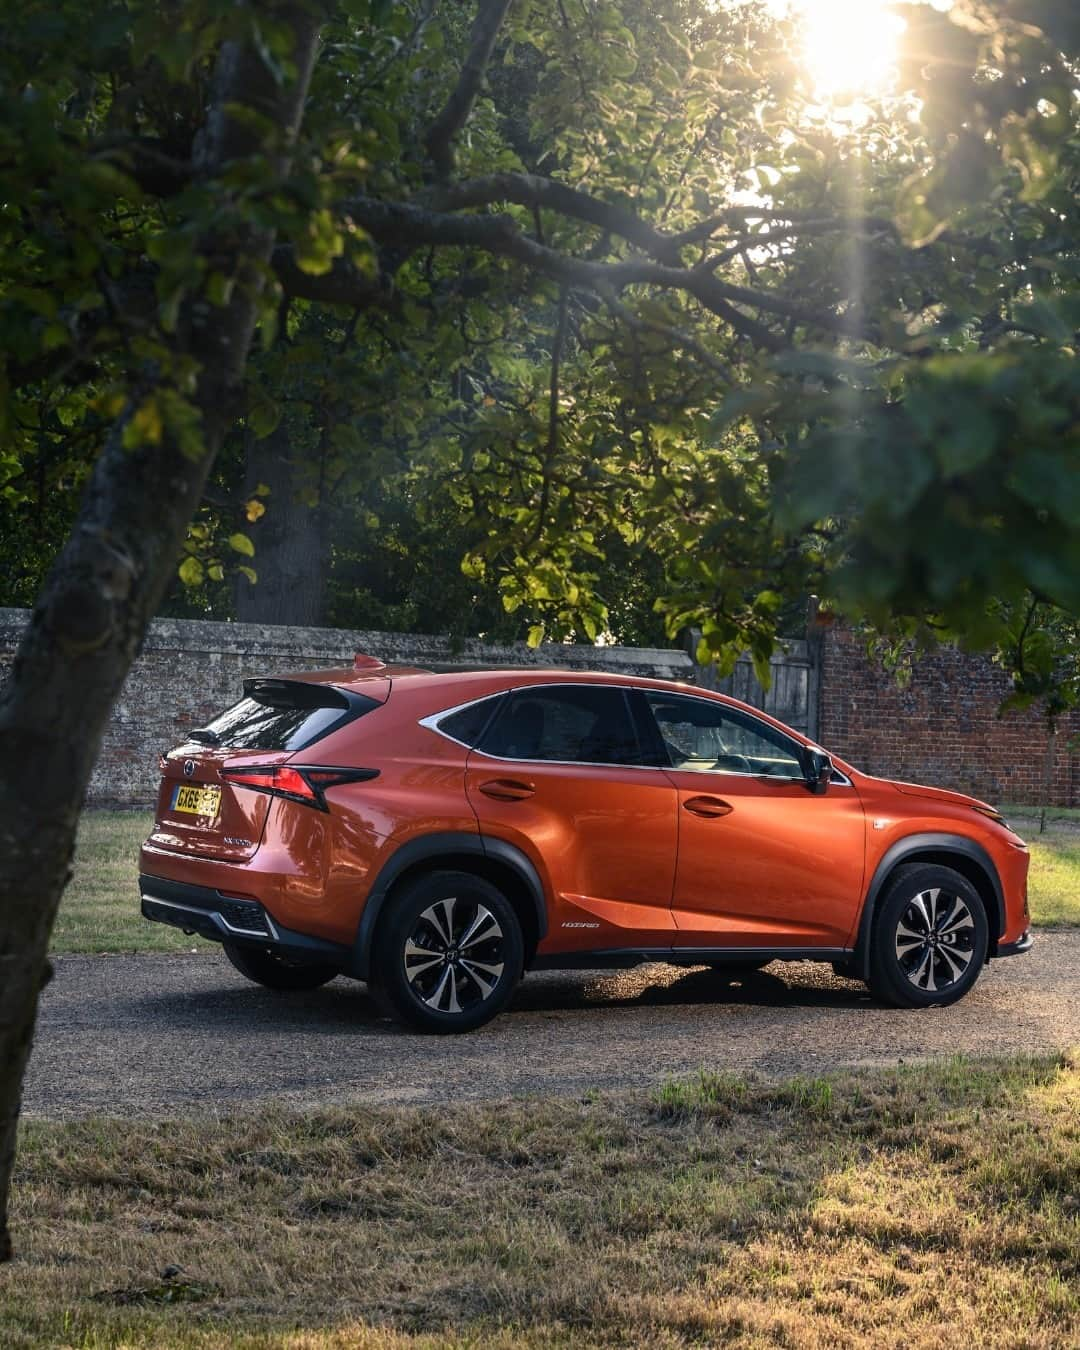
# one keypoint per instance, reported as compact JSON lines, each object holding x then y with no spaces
{"x":562,"y":775}
{"x":763,"y":861}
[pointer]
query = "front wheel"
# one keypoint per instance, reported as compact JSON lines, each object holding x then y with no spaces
{"x":448,"y":952}
{"x":267,"y":967}
{"x":930,"y":937}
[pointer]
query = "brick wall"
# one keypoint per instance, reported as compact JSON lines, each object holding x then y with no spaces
{"x":943,"y":728}
{"x":191,"y":669}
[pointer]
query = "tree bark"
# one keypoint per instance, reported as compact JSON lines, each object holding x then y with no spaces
{"x":89,"y":622}
{"x":291,"y":539}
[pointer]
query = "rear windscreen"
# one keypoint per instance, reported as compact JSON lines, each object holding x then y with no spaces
{"x":277,"y":715}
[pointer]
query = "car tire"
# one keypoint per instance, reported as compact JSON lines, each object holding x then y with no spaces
{"x":930,"y":937}
{"x":448,"y":952}
{"x":274,"y":971}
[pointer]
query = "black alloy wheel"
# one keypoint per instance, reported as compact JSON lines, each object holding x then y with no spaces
{"x":930,"y":937}
{"x":448,"y":953}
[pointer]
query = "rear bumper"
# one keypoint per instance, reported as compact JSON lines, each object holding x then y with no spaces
{"x":202,"y":910}
{"x":1023,"y":944}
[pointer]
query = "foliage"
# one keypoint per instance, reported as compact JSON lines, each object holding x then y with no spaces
{"x":643,"y":320}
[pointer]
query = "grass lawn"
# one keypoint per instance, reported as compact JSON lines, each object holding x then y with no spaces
{"x":1054,"y":879}
{"x":924,"y":1207}
{"x":100,"y":910}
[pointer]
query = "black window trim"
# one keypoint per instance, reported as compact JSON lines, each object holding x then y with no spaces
{"x":628,"y":707}
{"x":432,"y":723}
{"x":644,"y":725}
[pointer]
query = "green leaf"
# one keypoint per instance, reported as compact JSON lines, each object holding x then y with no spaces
{"x":145,"y":426}
{"x":219,"y":289}
{"x":322,"y":242}
{"x":240,"y":543}
{"x":191,"y":571}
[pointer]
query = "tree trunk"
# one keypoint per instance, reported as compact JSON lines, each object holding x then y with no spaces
{"x":291,"y":541}
{"x":90,"y":618}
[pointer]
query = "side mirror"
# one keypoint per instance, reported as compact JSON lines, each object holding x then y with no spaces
{"x":818,"y":770}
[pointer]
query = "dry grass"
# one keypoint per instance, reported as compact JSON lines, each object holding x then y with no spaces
{"x":928,"y":1207}
{"x":100,"y":910}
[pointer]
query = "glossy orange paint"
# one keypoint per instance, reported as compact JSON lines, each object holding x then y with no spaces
{"x":634,"y":857}
{"x":604,"y":839}
{"x":782,"y":866}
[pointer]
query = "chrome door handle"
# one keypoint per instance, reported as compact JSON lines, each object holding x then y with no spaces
{"x":507,"y":789}
{"x":709,"y":807}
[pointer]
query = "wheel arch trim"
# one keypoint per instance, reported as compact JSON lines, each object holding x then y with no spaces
{"x":908,"y":849}
{"x":448,"y":846}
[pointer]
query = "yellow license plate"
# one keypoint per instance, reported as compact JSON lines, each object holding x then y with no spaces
{"x":196,"y":801}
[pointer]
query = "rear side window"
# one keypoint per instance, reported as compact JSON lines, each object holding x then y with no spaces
{"x":467,"y":724}
{"x":580,"y":724}
{"x":284,"y":715}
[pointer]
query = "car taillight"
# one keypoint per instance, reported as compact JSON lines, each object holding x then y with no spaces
{"x":307,"y":784}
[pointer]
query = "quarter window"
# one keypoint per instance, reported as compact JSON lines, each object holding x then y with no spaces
{"x":467,"y":724}
{"x":580,"y":724}
{"x":706,"y":737}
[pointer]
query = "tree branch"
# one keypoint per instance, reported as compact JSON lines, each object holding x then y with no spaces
{"x":532,"y":190}
{"x":551,"y":450}
{"x":676,"y":336}
{"x":342,"y":285}
{"x":402,"y":223}
{"x":154,"y":170}
{"x":442,"y":132}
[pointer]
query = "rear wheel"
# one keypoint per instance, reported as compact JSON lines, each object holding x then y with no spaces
{"x":270,"y":968}
{"x":448,"y":952}
{"x":930,"y":937}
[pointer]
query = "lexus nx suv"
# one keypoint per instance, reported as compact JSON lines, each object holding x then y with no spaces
{"x":439,"y":834}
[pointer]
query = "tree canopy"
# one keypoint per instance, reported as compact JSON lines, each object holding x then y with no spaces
{"x":578,"y":272}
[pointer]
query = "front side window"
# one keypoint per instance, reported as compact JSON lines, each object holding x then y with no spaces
{"x":580,"y":724}
{"x":706,"y":737}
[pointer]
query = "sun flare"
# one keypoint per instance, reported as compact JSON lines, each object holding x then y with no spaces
{"x":849,"y":46}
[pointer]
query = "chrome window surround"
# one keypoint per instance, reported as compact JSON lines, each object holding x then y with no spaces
{"x":431,"y":723}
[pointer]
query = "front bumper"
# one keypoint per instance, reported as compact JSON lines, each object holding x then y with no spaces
{"x":1022,"y":944}
{"x":202,"y":910}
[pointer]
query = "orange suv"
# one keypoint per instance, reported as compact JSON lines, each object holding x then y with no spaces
{"x":438,"y":834}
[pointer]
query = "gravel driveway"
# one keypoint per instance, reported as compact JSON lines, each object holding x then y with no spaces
{"x":157,"y":1034}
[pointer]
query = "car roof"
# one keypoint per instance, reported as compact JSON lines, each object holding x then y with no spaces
{"x":484,"y":676}
{"x":459,"y":685}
